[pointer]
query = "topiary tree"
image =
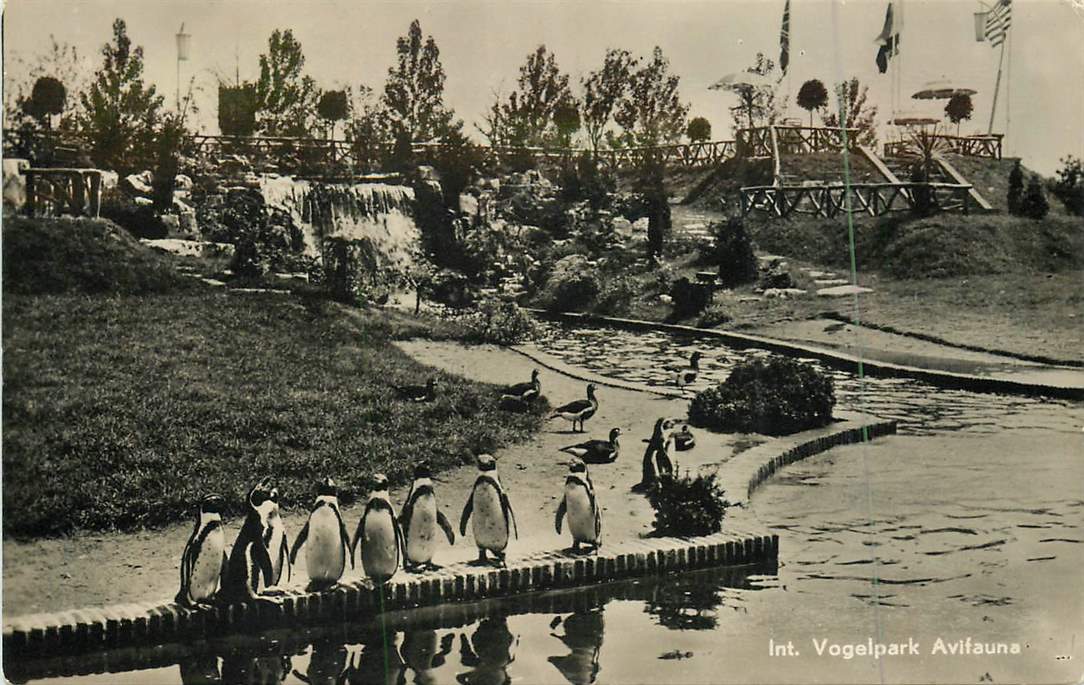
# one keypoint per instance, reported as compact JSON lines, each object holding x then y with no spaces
{"x":699,"y":129}
{"x":1016,"y":189}
{"x":958,"y":108}
{"x":1034,"y":204}
{"x":237,"y":109}
{"x":46,"y":99}
{"x":733,"y":253}
{"x":812,"y":95}
{"x":333,"y":106}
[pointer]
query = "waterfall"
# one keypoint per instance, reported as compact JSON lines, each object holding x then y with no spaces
{"x":376,"y":212}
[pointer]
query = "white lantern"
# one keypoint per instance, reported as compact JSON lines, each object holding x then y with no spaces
{"x":980,"y":26}
{"x":182,"y":45}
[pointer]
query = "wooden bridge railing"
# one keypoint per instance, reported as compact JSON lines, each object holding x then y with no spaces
{"x":793,"y":140}
{"x":55,"y":191}
{"x":875,"y":199}
{"x":981,"y":145}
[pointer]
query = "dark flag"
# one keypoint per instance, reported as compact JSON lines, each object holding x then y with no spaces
{"x":998,"y":21}
{"x":784,"y":39}
{"x":889,"y":39}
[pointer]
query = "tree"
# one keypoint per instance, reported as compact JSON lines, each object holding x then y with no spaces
{"x":414,"y":91}
{"x":237,"y":107}
{"x":851,"y":96}
{"x":1069,"y":188}
{"x":603,"y":90}
{"x":812,"y":95}
{"x":542,"y":109}
{"x":651,"y":112}
{"x":119,"y":113}
{"x":1034,"y":204}
{"x":699,"y":129}
{"x":1016,"y":189}
{"x":61,"y":62}
{"x":566,"y":122}
{"x":285,"y":97}
{"x":756,"y":102}
{"x":46,"y":99}
{"x":368,"y":130}
{"x":958,"y":108}
{"x":333,"y":106}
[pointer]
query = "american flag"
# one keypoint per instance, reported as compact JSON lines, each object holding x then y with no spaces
{"x":998,"y":21}
{"x":784,"y":39}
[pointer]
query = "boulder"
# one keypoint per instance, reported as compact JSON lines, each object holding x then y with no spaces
{"x":110,"y":179}
{"x":182,"y":182}
{"x":143,"y":201}
{"x":14,"y":184}
{"x":843,"y":291}
{"x":468,"y":204}
{"x":428,"y":173}
{"x":140,"y":183}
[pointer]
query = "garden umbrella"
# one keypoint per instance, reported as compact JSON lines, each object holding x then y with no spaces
{"x":941,"y":90}
{"x":744,"y":83}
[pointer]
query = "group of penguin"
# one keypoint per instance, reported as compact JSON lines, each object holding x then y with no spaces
{"x":261,"y":553}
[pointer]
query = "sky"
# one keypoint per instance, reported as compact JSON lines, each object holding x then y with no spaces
{"x":482,"y":44}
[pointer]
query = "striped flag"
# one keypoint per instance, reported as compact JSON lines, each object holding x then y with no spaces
{"x":998,"y":21}
{"x":888,"y":38}
{"x":784,"y":39}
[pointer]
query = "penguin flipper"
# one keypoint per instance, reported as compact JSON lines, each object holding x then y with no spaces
{"x":509,"y":515}
{"x":284,"y":557}
{"x":263,"y":560}
{"x":468,"y":508}
{"x":298,"y":542}
{"x":344,"y":536}
{"x":406,"y":513}
{"x":357,"y":535}
{"x":400,"y":541}
{"x":446,"y":526}
{"x":224,"y":573}
{"x":560,"y":515}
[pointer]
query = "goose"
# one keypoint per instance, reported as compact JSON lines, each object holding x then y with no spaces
{"x":418,"y":393}
{"x":578,"y":410}
{"x":524,"y":391}
{"x":597,"y":451}
{"x":688,"y":374}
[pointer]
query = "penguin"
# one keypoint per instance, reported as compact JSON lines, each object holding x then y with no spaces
{"x":584,"y":517}
{"x":328,"y":661}
{"x":275,"y":539}
{"x":419,"y":520}
{"x":597,"y":451}
{"x":423,"y":653}
{"x":583,"y":633}
{"x":688,"y":375}
{"x":418,"y":393}
{"x":203,"y":562}
{"x":378,"y":661}
{"x":326,"y":555}
{"x":379,"y":534}
{"x":249,"y":559}
{"x":487,"y":653}
{"x":579,"y":410}
{"x":525,"y":391}
{"x":657,"y":455}
{"x":492,"y":512}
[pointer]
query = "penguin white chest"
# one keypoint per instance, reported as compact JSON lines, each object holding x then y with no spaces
{"x":208,"y":567}
{"x":490,"y":527}
{"x":274,"y":547}
{"x":421,"y":531}
{"x":379,"y":548}
{"x":580,"y":512}
{"x":325,"y":555}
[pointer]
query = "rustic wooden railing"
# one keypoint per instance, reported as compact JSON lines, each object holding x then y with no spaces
{"x":56,"y":191}
{"x":876,"y":199}
{"x":792,"y":140}
{"x":982,"y":145}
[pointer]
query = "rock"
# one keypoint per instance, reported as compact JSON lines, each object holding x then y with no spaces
{"x":191,"y":248}
{"x":182,"y":182}
{"x":172,"y":222}
{"x":140,"y":183}
{"x":665,"y":299}
{"x":843,"y":291}
{"x":14,"y":184}
{"x":110,"y":179}
{"x":468,"y":204}
{"x":830,"y":281}
{"x":143,"y":201}
{"x":783,"y":293}
{"x":622,"y":226}
{"x":428,"y":173}
{"x":640,"y":225}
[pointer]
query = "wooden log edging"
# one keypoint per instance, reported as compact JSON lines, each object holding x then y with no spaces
{"x":837,"y":360}
{"x":134,"y":625}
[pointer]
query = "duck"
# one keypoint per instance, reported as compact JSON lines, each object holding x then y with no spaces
{"x":524,"y":391}
{"x":684,"y":439}
{"x":597,"y":451}
{"x":513,"y":404}
{"x":418,"y":393}
{"x":578,"y":410}
{"x":687,"y":375}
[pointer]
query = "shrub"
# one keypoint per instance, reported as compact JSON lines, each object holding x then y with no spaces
{"x":689,"y":298}
{"x":774,"y":396}
{"x":139,"y":220}
{"x":573,"y":284}
{"x":501,"y":323}
{"x":266,"y":239}
{"x":1069,"y":188}
{"x":714,"y":315}
{"x":1016,"y":188}
{"x":733,"y":253}
{"x":1034,"y":204}
{"x":688,"y":505}
{"x":616,"y":295}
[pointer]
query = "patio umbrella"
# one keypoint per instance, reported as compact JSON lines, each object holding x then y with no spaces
{"x":941,"y":90}
{"x":914,"y":120}
{"x":744,"y":83}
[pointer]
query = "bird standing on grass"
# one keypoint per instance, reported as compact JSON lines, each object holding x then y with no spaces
{"x":597,"y":451}
{"x":418,"y":393}
{"x":688,"y":375}
{"x":579,"y":411}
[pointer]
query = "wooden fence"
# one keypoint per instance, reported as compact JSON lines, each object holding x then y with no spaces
{"x":875,"y":199}
{"x":792,"y":140}
{"x":53,"y":191}
{"x":982,"y":145}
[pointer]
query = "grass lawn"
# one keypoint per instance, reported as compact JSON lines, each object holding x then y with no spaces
{"x":122,"y":411}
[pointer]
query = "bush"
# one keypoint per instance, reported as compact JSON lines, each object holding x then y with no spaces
{"x":774,"y":396}
{"x":351,"y":271}
{"x":689,"y":298}
{"x":1034,"y":204}
{"x":733,"y":253}
{"x":688,"y":505}
{"x":573,"y":285}
{"x":500,"y":323}
{"x":714,"y":315}
{"x":1015,"y":195}
{"x":616,"y":295}
{"x":266,"y":239}
{"x":1069,"y":188}
{"x":139,"y":220}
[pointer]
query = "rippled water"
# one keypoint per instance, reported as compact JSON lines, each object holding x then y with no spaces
{"x":653,"y":358}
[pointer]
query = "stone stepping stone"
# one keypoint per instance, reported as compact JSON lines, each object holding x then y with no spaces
{"x":843,"y":291}
{"x":831,"y":281}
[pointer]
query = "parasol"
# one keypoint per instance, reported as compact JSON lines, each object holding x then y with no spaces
{"x":744,"y":83}
{"x":941,"y":90}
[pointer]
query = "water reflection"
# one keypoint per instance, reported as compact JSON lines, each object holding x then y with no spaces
{"x":564,"y":629}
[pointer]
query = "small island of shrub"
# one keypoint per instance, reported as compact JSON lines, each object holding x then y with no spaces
{"x":774,"y":396}
{"x":688,"y":505}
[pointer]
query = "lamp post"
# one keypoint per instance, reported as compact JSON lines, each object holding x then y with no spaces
{"x":182,"y":56}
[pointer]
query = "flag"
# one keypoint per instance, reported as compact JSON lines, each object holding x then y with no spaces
{"x":784,"y":39}
{"x":998,"y":21}
{"x":889,"y":38}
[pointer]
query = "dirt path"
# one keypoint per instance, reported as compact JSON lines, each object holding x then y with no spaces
{"x":99,"y":569}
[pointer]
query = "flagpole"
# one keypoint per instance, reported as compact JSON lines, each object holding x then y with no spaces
{"x":997,"y":86}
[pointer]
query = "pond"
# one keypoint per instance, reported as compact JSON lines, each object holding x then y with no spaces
{"x":964,"y":532}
